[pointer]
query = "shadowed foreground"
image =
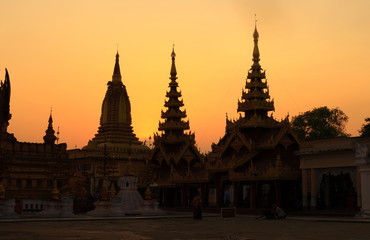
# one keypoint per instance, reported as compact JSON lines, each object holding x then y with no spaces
{"x":209,"y":228}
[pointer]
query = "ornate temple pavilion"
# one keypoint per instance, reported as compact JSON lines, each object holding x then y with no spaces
{"x":254,"y":164}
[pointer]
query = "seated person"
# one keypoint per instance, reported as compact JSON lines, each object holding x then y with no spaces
{"x":278,"y":212}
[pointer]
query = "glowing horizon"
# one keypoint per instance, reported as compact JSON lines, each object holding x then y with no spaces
{"x":62,"y":55}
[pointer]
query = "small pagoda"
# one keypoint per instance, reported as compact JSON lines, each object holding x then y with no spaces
{"x":178,"y":167}
{"x":254,"y":164}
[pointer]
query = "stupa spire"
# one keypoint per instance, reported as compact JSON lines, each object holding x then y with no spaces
{"x":117,"y":71}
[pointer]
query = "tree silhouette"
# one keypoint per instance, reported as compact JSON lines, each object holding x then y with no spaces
{"x":365,"y":129}
{"x":320,"y":123}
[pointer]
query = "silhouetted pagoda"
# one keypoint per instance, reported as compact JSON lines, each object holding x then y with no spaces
{"x":115,"y":150}
{"x":254,"y":165}
{"x":115,"y":122}
{"x":177,"y":164}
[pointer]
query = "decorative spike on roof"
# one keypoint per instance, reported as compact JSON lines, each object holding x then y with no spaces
{"x":256,"y":52}
{"x":173,"y":71}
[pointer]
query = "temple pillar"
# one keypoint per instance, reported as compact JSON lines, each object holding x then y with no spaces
{"x":184,"y":195}
{"x":313,"y":189}
{"x":236,"y":197}
{"x":327,"y":191}
{"x":44,"y":184}
{"x":203,"y":194}
{"x":358,"y":188}
{"x":253,"y":197}
{"x":178,"y":197}
{"x":165,"y":197}
{"x":218,"y":192}
{"x":92,"y":185}
{"x":304,"y":189}
{"x":277,"y":185}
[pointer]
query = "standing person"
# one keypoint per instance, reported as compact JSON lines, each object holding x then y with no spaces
{"x":197,"y":203}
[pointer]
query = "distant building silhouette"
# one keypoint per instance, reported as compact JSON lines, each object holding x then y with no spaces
{"x":31,"y":171}
{"x":259,"y":160}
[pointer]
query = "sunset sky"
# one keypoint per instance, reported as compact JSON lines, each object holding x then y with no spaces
{"x":61,"y":54}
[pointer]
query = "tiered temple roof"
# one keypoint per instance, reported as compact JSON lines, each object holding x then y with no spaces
{"x":256,"y":101}
{"x":175,"y":156}
{"x":173,"y":125}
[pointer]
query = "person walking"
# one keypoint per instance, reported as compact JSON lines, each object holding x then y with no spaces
{"x":197,"y":204}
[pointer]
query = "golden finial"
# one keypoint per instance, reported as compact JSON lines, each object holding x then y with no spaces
{"x":255,"y":19}
{"x":173,"y":54}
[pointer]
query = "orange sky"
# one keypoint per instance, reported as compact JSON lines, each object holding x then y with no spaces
{"x":60,"y":54}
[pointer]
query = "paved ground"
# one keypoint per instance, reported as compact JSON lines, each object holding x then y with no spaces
{"x":184,"y":227}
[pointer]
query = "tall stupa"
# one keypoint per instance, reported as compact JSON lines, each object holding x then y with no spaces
{"x":114,"y":151}
{"x":115,"y":128}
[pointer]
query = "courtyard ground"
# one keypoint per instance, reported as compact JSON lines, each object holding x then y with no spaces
{"x":182,"y":226}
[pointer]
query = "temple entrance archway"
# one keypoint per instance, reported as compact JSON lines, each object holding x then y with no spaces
{"x":265,"y":194}
{"x":227,"y":193}
{"x":337,"y":192}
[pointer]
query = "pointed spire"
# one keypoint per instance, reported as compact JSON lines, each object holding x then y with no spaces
{"x":256,"y":52}
{"x":173,"y":66}
{"x":7,"y":81}
{"x":5,"y":115}
{"x":117,"y":71}
{"x":50,"y":137}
